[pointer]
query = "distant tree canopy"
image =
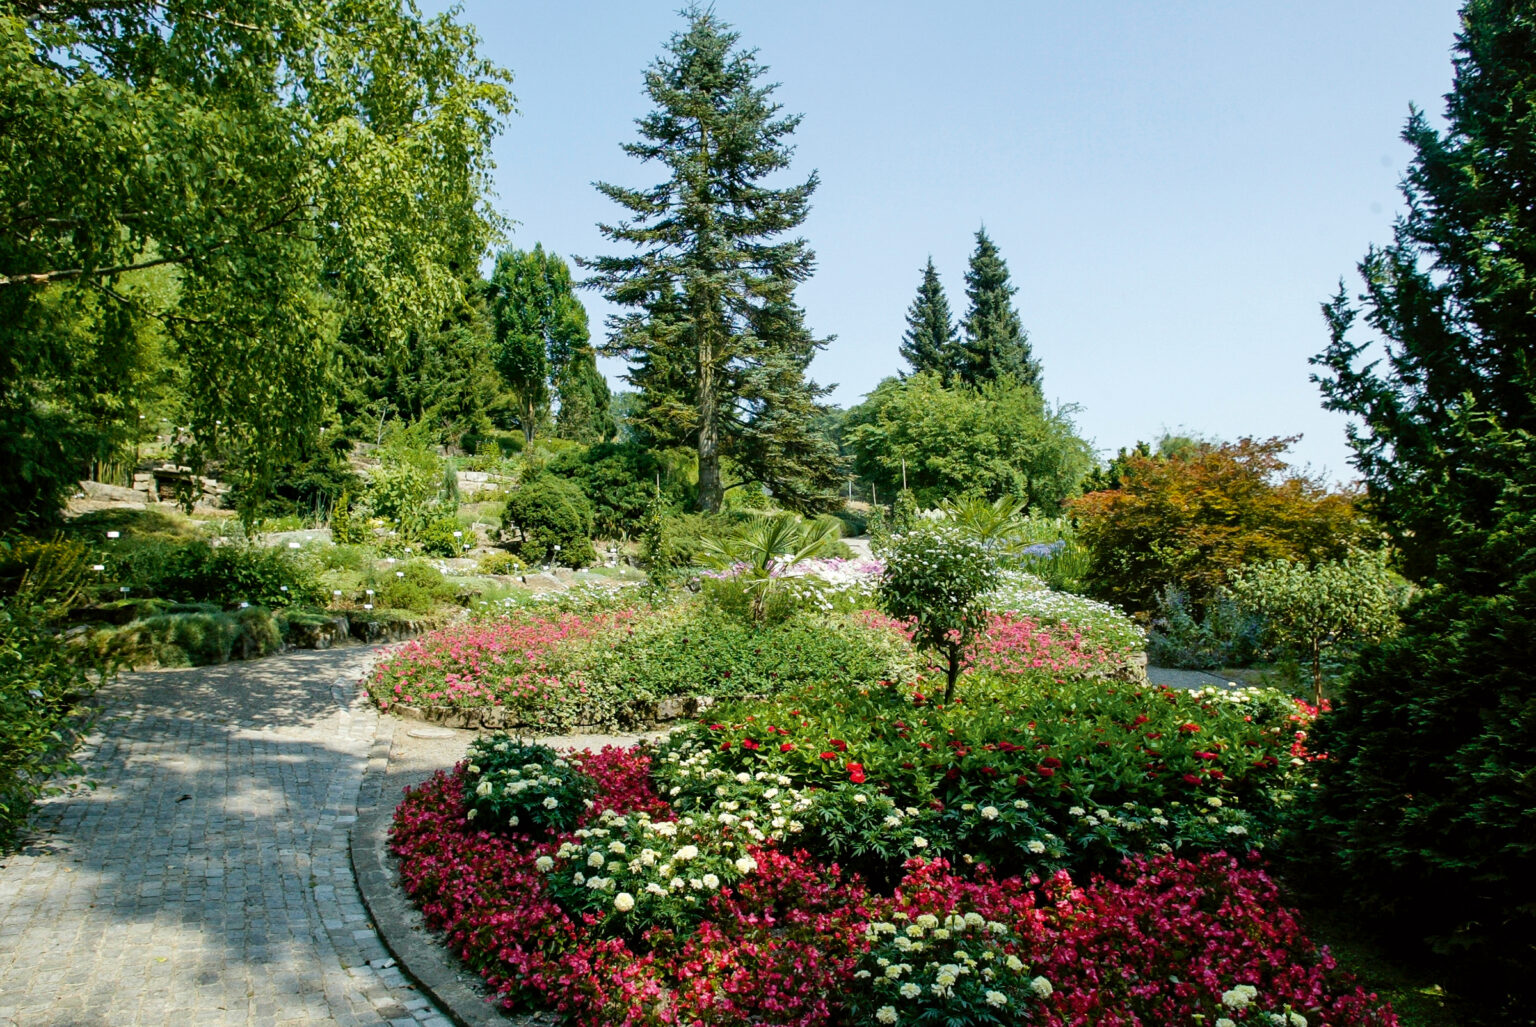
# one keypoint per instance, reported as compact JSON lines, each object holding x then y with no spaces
{"x":998,"y":439}
{"x":995,"y":343}
{"x":287,"y":168}
{"x":1188,"y":518}
{"x":543,"y":345}
{"x":717,"y":346}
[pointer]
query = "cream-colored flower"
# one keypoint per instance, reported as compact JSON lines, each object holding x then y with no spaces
{"x":623,"y":902}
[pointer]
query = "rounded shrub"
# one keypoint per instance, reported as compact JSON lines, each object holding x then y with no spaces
{"x":512,"y":785}
{"x":547,"y":512}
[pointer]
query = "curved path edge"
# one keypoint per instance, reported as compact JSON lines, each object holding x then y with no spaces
{"x":419,"y":952}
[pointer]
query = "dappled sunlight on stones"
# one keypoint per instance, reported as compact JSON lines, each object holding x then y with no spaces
{"x":206,"y":879}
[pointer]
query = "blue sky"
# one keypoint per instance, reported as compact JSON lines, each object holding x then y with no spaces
{"x":1176,"y":186}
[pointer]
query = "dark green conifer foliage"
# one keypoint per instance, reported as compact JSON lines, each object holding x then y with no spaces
{"x":931,"y":343}
{"x":1428,"y":809}
{"x":995,"y":342}
{"x":584,"y":400}
{"x":717,"y":347}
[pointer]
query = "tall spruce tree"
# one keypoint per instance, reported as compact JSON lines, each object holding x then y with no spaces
{"x":716,"y":344}
{"x":1428,"y":807}
{"x":931,"y":343}
{"x":584,"y":414}
{"x":995,"y":341}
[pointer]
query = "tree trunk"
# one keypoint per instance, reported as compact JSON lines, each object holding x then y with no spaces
{"x":954,"y":673}
{"x":710,"y":490}
{"x":1317,"y":676}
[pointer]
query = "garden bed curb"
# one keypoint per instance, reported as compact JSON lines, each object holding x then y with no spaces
{"x":456,"y":992}
{"x":640,"y":716}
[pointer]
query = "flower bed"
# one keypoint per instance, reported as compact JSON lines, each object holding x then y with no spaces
{"x":774,"y":936}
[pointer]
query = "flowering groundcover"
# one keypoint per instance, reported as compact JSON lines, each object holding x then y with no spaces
{"x":779,"y":937}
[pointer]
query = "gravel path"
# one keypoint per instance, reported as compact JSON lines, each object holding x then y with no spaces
{"x":207,"y":880}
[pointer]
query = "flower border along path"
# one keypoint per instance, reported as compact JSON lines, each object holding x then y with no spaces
{"x":406,"y":753}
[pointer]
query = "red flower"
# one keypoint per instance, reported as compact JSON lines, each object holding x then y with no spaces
{"x":839,"y":744}
{"x":1191,"y":779}
{"x":856,"y":773}
{"x":747,"y":743}
{"x":1208,"y":755}
{"x":1045,"y":771}
{"x":724,"y":746}
{"x":1189,"y":729}
{"x":717,"y":727}
{"x":829,"y":755}
{"x":786,"y":746}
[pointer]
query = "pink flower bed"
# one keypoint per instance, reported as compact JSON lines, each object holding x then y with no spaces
{"x":1166,"y":941}
{"x":1013,"y":644}
{"x":482,"y":664}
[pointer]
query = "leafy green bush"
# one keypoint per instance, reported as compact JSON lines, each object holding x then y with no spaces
{"x":192,"y":637}
{"x":437,"y":537}
{"x":690,"y":651}
{"x":42,"y":684}
{"x":547,"y":512}
{"x":530,"y":788}
{"x":620,"y":480}
{"x":1310,"y":612}
{"x":192,"y":570}
{"x":501,"y":563}
{"x":416,"y":586}
{"x":346,"y":527}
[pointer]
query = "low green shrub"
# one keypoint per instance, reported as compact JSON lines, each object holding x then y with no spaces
{"x":501,"y":562}
{"x":192,"y":570}
{"x":415,"y":586}
{"x":552,"y":520}
{"x":192,"y":637}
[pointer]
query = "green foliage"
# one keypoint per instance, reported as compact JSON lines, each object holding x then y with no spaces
{"x":996,"y":440}
{"x":547,"y":512}
{"x":692,"y":650}
{"x":1029,"y":774}
{"x":620,"y":480}
{"x":192,"y":637}
{"x":1311,"y":611}
{"x":404,"y":496}
{"x":264,"y":166}
{"x":501,"y":563}
{"x":936,"y":577}
{"x":754,"y":559}
{"x":415,"y":586}
{"x":541,"y":335}
{"x":514,"y":785}
{"x":1189,"y":518}
{"x":42,"y":683}
{"x":670,"y":542}
{"x":192,"y":570}
{"x":995,"y":344}
{"x":931,"y":343}
{"x":1224,"y":634}
{"x":1428,"y":800}
{"x":717,"y":346}
{"x":585,"y":414}
{"x":346,"y":528}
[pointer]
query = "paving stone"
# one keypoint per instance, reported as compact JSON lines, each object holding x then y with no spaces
{"x":207,"y":878}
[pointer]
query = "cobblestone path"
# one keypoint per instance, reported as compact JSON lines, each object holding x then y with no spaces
{"x":206,"y":880}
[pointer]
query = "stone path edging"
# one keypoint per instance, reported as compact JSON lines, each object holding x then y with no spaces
{"x":418,"y":951}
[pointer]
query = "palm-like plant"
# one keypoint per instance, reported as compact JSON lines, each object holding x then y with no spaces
{"x":760,"y":554}
{"x":1001,"y":525}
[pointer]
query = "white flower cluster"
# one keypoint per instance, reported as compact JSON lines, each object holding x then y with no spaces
{"x":639,"y":861}
{"x":928,"y":957}
{"x":761,"y":804}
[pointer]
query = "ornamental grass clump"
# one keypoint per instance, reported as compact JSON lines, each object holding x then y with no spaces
{"x":512,"y":785}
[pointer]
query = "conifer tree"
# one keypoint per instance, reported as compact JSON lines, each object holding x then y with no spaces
{"x":1427,"y":809}
{"x":995,"y":341}
{"x":931,"y":343}
{"x":717,"y":347}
